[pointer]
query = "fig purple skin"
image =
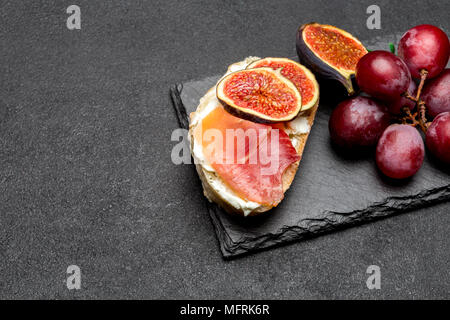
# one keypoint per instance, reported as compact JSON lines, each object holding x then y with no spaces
{"x":436,"y":94}
{"x":438,"y":137}
{"x":321,"y":68}
{"x":358,"y":122}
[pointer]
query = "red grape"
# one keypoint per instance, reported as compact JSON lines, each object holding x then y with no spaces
{"x":400,"y":151}
{"x":358,"y":122}
{"x":382,"y":75}
{"x":424,"y":47}
{"x":436,"y":94}
{"x":396,"y":106}
{"x":438,"y":137}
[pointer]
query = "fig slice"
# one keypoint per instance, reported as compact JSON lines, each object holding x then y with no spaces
{"x":330,"y":52}
{"x":261,"y":95}
{"x":304,"y":80}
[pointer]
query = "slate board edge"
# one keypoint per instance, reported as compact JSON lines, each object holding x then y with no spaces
{"x":332,"y":221}
{"x":308,"y":228}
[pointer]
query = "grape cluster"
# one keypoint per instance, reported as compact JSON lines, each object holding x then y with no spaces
{"x":390,"y":81}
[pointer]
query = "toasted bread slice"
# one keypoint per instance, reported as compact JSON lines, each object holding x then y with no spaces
{"x":213,"y":187}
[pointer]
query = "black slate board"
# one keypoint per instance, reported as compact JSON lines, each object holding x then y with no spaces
{"x":331,"y":191}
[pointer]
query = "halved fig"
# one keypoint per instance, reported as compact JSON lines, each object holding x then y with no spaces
{"x":303,"y":79}
{"x":330,"y":52}
{"x":260,"y":95}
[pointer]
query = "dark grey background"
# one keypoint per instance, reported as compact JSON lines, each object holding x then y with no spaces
{"x":85,"y":170}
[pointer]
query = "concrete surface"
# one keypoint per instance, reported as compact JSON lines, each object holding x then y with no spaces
{"x":85,"y":170}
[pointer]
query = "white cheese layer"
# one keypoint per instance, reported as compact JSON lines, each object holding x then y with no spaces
{"x":297,"y":126}
{"x":214,"y":181}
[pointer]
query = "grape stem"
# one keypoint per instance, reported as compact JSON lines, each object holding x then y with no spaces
{"x":407,"y":95}
{"x":423,"y":77}
{"x":411,"y":119}
{"x":421,"y":108}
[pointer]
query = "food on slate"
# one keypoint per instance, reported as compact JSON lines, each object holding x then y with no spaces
{"x":259,"y":91}
{"x":358,"y":122}
{"x":424,"y":53}
{"x":436,"y":94}
{"x":424,"y":47}
{"x":383,"y":75}
{"x":400,"y":151}
{"x":303,"y":79}
{"x":272,"y":103}
{"x":438,"y":137}
{"x":261,"y":95}
{"x":330,"y":52}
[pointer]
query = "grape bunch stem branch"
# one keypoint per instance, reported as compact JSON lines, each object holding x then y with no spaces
{"x":420,"y":104}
